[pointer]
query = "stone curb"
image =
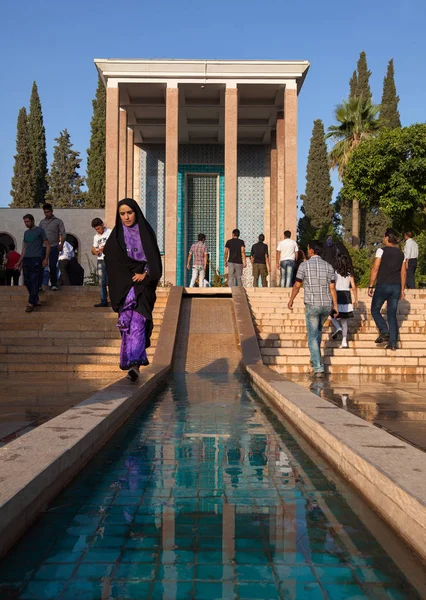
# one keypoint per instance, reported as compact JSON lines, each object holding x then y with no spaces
{"x":37,"y":466}
{"x":389,"y":473}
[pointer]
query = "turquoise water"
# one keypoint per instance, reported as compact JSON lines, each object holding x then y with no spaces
{"x":204,"y":495}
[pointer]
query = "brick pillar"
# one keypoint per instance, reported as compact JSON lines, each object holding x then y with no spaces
{"x":137,"y":173}
{"x":172,"y":142}
{"x":290,"y":158}
{"x":231,"y":132}
{"x":111,"y":155}
{"x":273,"y":192}
{"x":280,"y":176}
{"x":130,"y":162}
{"x":122,"y":155}
{"x":267,"y":201}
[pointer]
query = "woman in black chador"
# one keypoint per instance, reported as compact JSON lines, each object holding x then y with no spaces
{"x":134,"y":268}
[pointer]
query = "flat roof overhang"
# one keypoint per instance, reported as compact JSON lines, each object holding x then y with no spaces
{"x":202,"y":86}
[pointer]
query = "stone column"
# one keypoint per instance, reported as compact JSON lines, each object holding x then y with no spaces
{"x":280,"y":176}
{"x":111,"y":153}
{"x":172,"y":143}
{"x":137,"y":173}
{"x":290,"y":167}
{"x":273,"y":191}
{"x":130,"y":161}
{"x":231,"y":132}
{"x":122,"y":155}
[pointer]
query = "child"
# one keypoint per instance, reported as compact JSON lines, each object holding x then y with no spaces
{"x":344,"y":282}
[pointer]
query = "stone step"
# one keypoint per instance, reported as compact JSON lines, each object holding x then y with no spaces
{"x":351,"y":351}
{"x":413,"y":337}
{"x":359,"y":344}
{"x":83,"y":351}
{"x":346,"y":370}
{"x":388,"y":360}
{"x":65,"y":358}
{"x":83,"y":370}
{"x":367,"y":330}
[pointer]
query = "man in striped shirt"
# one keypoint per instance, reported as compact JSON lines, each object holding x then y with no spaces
{"x":199,"y":253}
{"x":318,"y":280}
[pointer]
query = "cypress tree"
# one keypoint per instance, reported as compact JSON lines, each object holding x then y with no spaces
{"x":64,"y":181}
{"x":22,"y":184}
{"x":353,"y":85}
{"x":37,"y":135}
{"x":363,"y":84}
{"x":96,"y":152}
{"x":317,"y":207}
{"x":389,"y":113}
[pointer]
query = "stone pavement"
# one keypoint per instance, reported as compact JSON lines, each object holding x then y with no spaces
{"x":395,"y":404}
{"x":29,"y":399}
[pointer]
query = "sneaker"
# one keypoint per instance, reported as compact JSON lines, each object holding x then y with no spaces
{"x":319,"y":375}
{"x":337,"y":335}
{"x":55,"y":288}
{"x":344,"y":345}
{"x":101,"y":305}
{"x":391,"y":347}
{"x":383,"y":337}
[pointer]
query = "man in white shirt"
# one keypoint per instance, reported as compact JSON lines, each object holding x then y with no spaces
{"x":99,"y":241}
{"x":64,"y":259}
{"x":287,"y":254}
{"x":411,"y":254}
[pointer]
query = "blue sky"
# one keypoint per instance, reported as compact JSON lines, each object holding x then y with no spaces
{"x":55,"y":43}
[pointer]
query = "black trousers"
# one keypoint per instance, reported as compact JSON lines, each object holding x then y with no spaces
{"x":411,"y":271}
{"x":12,"y":275}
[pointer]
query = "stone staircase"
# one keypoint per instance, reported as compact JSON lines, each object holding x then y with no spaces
{"x":283,"y":342}
{"x":67,"y":334}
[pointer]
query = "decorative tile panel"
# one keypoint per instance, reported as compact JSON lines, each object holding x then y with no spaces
{"x":152,"y":194}
{"x":251,"y":193}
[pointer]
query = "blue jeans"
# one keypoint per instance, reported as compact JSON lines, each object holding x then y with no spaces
{"x":315,"y":319}
{"x":103,"y":281}
{"x":32,"y":273}
{"x":286,"y":273}
{"x":53,"y":266}
{"x":389,"y":293}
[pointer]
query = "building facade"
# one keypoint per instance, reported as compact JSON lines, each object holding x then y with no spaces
{"x":205,"y":146}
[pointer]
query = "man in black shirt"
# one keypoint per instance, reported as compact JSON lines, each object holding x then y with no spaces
{"x":235,"y":259}
{"x":389,"y":274}
{"x":259,"y":257}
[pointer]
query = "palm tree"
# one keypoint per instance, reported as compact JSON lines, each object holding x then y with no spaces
{"x":357,"y":121}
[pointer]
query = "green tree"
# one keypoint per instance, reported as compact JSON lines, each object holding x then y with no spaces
{"x":389,"y":113}
{"x":96,"y":151}
{"x":356,"y":122}
{"x":353,"y":85}
{"x":363,"y":91}
{"x":37,"y":136}
{"x":317,"y":208}
{"x":64,"y":181}
{"x":22,"y":184}
{"x":389,"y":171}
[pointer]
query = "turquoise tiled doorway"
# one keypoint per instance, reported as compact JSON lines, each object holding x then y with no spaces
{"x":200,"y":210}
{"x":202,"y":215}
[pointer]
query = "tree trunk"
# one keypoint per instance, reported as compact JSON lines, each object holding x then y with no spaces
{"x":355,"y":223}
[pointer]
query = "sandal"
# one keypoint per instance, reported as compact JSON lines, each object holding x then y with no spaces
{"x":29,"y":308}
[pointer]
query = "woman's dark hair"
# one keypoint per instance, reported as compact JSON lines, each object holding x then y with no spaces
{"x":344,"y":266}
{"x":97,"y":222}
{"x":12,"y":246}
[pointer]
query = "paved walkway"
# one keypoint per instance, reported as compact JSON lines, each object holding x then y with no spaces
{"x":399,"y":406}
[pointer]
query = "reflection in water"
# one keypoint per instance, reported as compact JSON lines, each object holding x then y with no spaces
{"x":204,"y":495}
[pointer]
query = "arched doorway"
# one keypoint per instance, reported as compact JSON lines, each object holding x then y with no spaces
{"x":73,"y":240}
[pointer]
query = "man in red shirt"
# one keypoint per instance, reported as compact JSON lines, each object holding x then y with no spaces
{"x":12,"y":273}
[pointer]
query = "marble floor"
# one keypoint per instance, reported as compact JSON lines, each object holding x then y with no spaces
{"x":397,"y":405}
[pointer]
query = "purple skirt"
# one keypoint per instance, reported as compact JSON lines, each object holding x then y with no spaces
{"x":132,"y":326}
